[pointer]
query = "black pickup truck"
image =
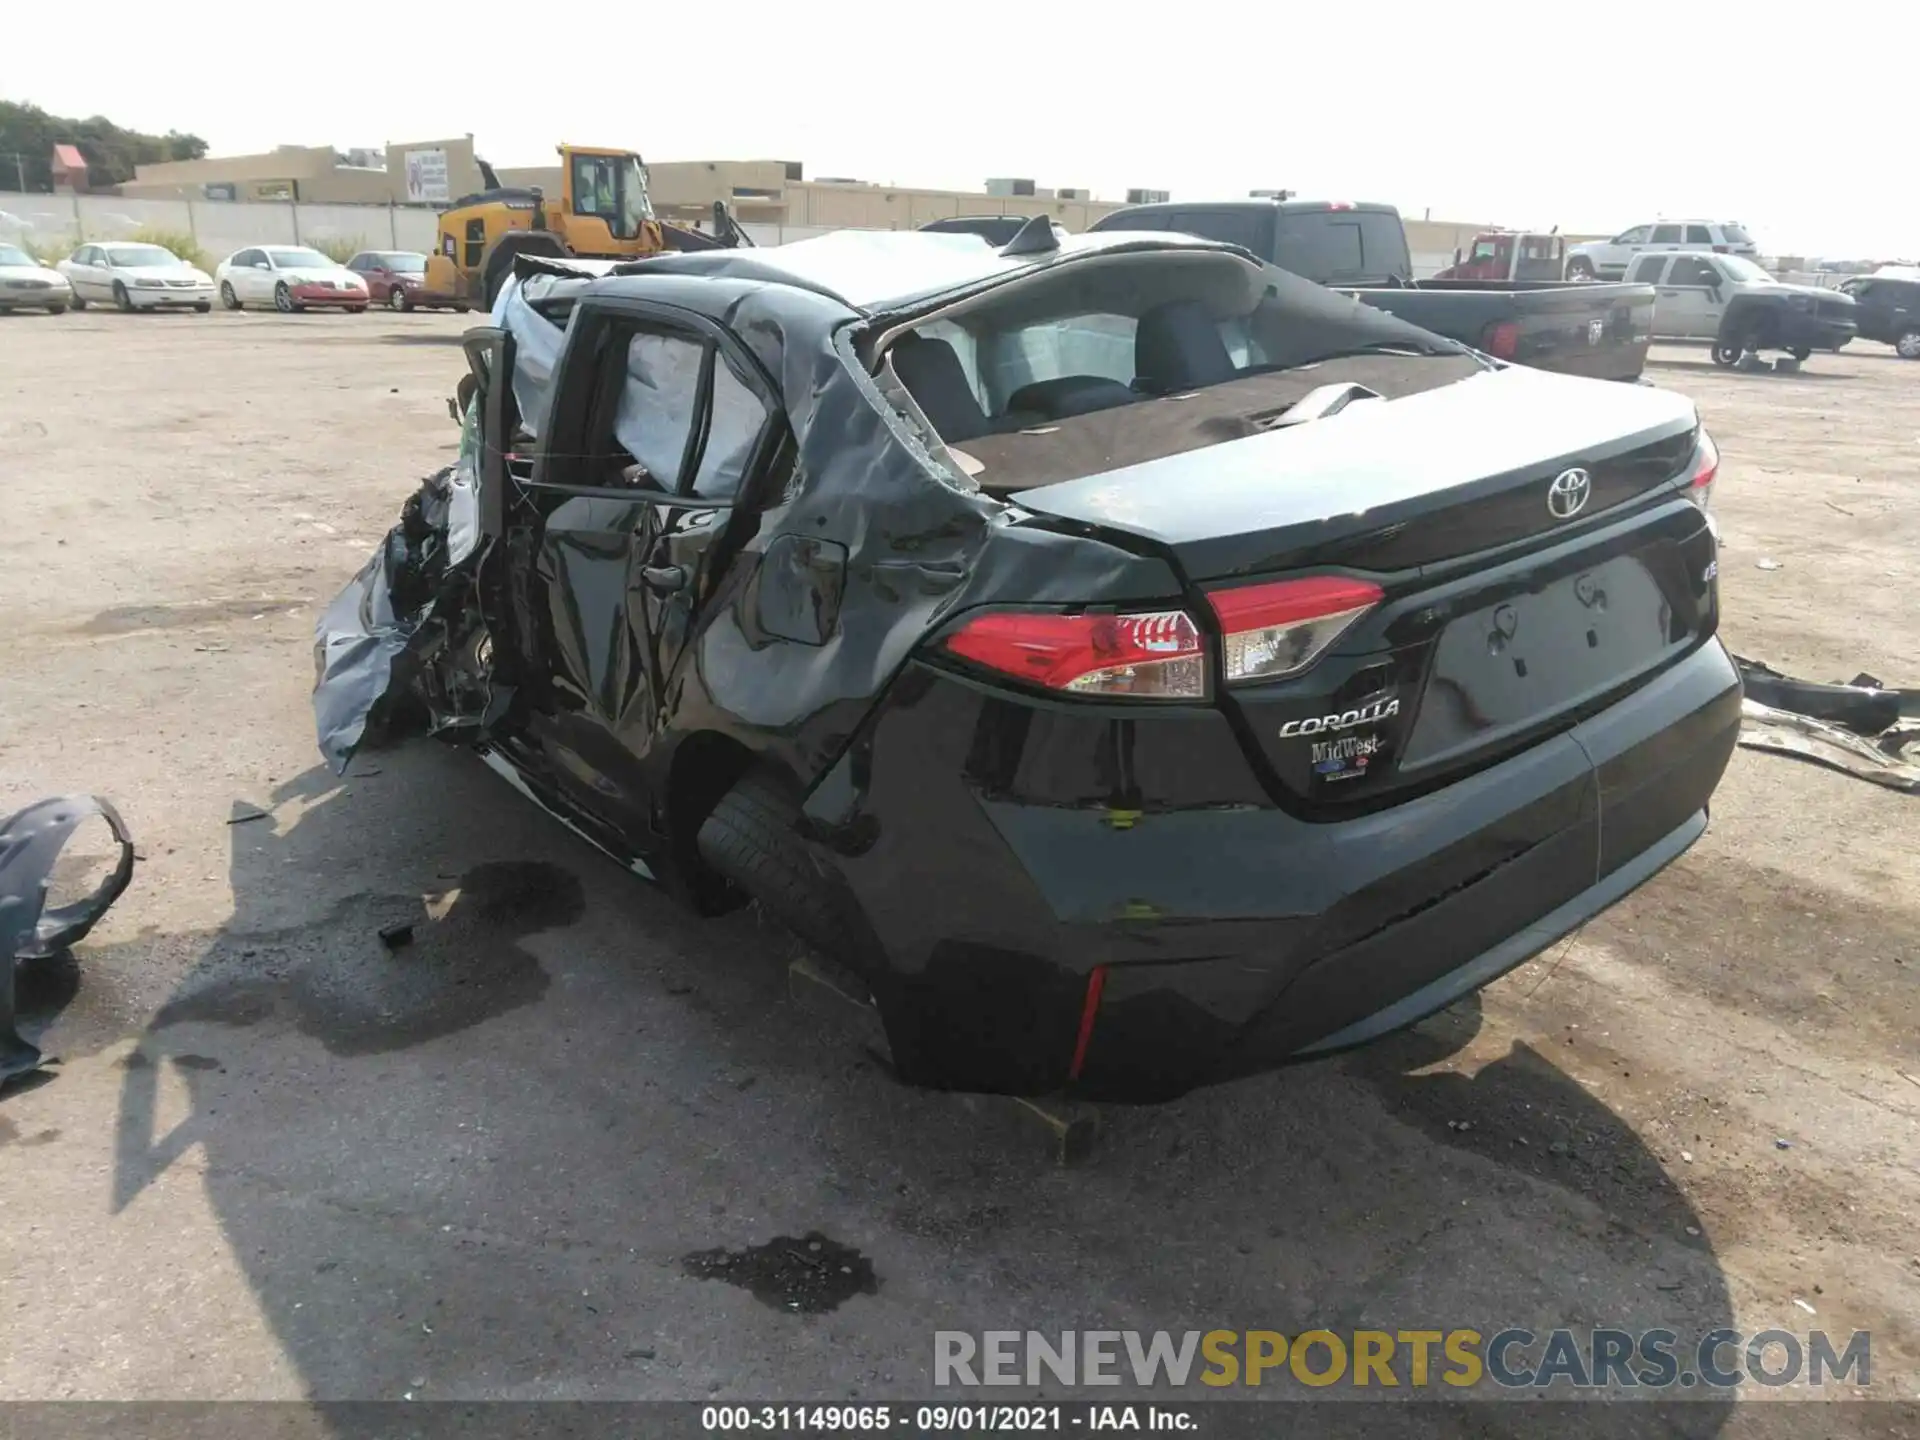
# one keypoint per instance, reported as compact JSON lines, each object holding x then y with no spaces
{"x":1601,"y":331}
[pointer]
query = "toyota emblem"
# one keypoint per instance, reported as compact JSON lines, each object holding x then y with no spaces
{"x":1567,"y":495}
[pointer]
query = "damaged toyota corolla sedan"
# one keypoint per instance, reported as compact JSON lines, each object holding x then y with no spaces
{"x":1139,"y":666}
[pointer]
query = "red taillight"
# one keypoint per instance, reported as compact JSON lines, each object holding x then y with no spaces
{"x":1089,"y":1011}
{"x":1267,"y":632}
{"x":1154,"y":656}
{"x":1706,"y":466}
{"x":1502,"y":341}
{"x":1271,"y":631}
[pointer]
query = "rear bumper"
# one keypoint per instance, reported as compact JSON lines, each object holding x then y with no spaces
{"x":1004,"y":851}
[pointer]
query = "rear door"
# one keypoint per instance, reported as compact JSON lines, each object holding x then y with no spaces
{"x":1667,"y":237}
{"x":88,"y":273}
{"x":658,"y":418}
{"x":1697,"y":292}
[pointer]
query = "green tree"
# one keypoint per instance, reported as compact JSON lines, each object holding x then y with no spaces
{"x":28,"y":135}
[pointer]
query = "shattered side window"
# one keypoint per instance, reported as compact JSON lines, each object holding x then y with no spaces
{"x":738,"y":418}
{"x":658,"y":402}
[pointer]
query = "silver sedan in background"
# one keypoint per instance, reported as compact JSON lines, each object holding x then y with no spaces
{"x":26,"y":284}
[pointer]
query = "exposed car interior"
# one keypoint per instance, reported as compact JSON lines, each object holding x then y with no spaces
{"x":1124,"y":358}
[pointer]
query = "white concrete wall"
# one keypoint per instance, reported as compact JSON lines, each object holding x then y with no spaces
{"x":219,"y":227}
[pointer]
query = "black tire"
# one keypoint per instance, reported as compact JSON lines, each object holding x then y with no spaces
{"x":227,"y":297}
{"x":122,"y":301}
{"x":56,"y":309}
{"x":1727,"y":353}
{"x":520,"y":242}
{"x":78,"y":303}
{"x":284,"y":302}
{"x":1580,"y":268}
{"x":397,"y":299}
{"x":203,"y":306}
{"x":356,"y":309}
{"x":750,"y":839}
{"x":1907,"y":344}
{"x":1801,"y":353}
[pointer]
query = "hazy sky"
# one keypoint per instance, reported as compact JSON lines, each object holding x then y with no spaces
{"x":1591,"y":116}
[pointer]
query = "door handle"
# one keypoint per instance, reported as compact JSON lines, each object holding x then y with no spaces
{"x":664,"y":579}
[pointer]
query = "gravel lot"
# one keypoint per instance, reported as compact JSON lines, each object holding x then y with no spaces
{"x":279,"y":1161}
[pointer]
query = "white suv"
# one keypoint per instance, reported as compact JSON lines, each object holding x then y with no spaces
{"x":1608,"y":259}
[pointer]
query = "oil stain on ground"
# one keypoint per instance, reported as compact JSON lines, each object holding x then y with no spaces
{"x":806,"y":1276}
{"x":127,"y":619}
{"x":337,"y":982}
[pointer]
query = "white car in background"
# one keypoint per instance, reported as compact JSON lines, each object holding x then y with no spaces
{"x":26,"y":284}
{"x":133,"y":276}
{"x":1609,"y":259}
{"x":290,"y":278}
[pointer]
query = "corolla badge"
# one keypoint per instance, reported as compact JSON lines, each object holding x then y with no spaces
{"x":1344,"y":720}
{"x":1567,"y":495}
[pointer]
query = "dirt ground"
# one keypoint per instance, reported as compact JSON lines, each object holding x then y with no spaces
{"x":278,"y":1160}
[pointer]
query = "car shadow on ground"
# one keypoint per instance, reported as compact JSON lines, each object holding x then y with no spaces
{"x":1676,"y":363}
{"x":474,"y":1103}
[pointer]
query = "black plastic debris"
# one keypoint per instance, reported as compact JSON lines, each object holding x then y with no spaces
{"x":1862,"y":728}
{"x":1863,"y":706}
{"x":30,"y":845}
{"x":396,"y":935}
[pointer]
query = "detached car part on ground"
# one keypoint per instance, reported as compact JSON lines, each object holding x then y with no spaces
{"x":30,"y":930}
{"x":1862,"y":728}
{"x":1141,"y":666}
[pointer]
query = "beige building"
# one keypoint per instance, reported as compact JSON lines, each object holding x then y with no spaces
{"x":760,"y":192}
{"x":425,"y":172}
{"x":772,"y":192}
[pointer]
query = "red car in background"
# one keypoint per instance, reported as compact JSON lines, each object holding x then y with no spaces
{"x":395,"y":279}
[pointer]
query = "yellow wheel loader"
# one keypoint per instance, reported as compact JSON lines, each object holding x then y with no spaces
{"x":602,"y":213}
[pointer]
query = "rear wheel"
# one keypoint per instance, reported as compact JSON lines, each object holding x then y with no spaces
{"x":751,"y":839}
{"x":79,"y":302}
{"x":227,"y":297}
{"x":56,"y":309}
{"x":1907,"y":344}
{"x":1727,"y":353}
{"x":203,"y":306}
{"x":1801,"y":352}
{"x":121,"y":299}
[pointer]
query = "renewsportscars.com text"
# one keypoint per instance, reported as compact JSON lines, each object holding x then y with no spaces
{"x":1513,"y":1358}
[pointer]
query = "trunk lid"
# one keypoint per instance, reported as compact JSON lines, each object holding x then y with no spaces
{"x":1387,"y":485}
{"x":1501,"y":619}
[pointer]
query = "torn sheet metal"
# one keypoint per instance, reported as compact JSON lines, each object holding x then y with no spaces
{"x":1864,"y":706}
{"x":1863,"y":728}
{"x":1782,"y":732}
{"x":30,"y":845}
{"x":364,"y":634}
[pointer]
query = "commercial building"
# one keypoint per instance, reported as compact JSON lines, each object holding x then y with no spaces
{"x":772,"y":196}
{"x":425,"y":172}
